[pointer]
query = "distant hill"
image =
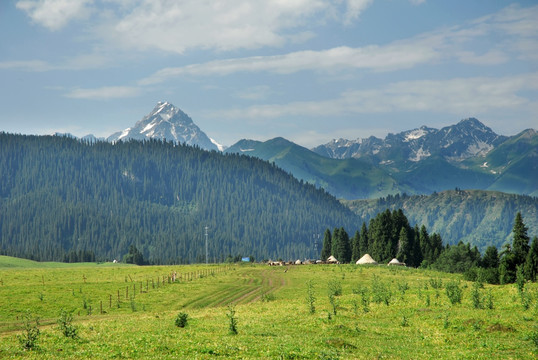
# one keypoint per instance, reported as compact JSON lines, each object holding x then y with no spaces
{"x":481,"y":218}
{"x":346,"y":178}
{"x":60,"y":195}
{"x":468,"y":155}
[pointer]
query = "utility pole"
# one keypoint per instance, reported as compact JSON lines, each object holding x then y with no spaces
{"x":206,"y":253}
{"x":315,"y":245}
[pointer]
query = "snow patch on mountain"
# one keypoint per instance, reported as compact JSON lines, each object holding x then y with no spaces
{"x":415,"y":134}
{"x":420,"y":154}
{"x":219,"y":146}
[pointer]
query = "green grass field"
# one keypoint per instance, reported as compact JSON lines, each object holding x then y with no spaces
{"x":125,"y":312}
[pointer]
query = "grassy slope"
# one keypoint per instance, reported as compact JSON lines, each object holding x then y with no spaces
{"x":419,"y":322}
{"x":514,"y":163}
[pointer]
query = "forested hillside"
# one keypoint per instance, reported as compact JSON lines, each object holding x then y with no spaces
{"x":481,"y":218}
{"x":60,"y":196}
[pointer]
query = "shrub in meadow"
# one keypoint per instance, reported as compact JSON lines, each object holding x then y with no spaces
{"x":454,"y":292}
{"x":232,"y":320}
{"x":28,"y":338}
{"x":65,"y":324}
{"x":181,"y":319}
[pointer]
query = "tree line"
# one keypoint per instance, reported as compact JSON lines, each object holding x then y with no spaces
{"x":389,"y":235}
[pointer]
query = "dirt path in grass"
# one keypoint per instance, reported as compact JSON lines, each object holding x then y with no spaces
{"x":247,"y":289}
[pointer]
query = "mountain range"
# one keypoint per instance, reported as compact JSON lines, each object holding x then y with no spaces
{"x":467,"y":155}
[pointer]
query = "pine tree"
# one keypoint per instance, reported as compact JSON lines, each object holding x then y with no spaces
{"x":335,"y":245}
{"x":404,"y":249}
{"x":491,"y":258}
{"x":355,"y":247}
{"x":520,"y":242}
{"x":327,"y":245}
{"x":344,"y":247}
{"x":531,"y":263}
{"x":425,"y":247}
{"x":507,"y":266}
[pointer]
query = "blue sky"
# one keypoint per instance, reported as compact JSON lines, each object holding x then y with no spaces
{"x":307,"y":70}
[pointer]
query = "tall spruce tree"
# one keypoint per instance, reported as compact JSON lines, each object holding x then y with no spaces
{"x":516,"y":254}
{"x":490,"y":258}
{"x":355,"y":247}
{"x":425,"y":246}
{"x":380,"y":232}
{"x":520,"y":242}
{"x":344,"y":247}
{"x":336,"y":244}
{"x":404,"y":246}
{"x":327,"y":245}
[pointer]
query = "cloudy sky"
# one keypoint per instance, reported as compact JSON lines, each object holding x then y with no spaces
{"x":307,"y":70}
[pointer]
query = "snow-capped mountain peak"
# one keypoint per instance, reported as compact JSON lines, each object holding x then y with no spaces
{"x":167,"y":122}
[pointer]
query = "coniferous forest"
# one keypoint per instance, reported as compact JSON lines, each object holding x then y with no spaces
{"x":64,"y":199}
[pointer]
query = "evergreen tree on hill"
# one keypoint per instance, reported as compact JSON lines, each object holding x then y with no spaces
{"x":491,"y":258}
{"x":520,"y":242}
{"x":355,"y":247}
{"x":341,"y":246}
{"x":404,"y":246}
{"x":134,"y":256}
{"x":327,"y":245}
{"x":516,"y":254}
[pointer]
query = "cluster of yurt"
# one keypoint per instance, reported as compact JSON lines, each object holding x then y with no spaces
{"x":366,"y":260}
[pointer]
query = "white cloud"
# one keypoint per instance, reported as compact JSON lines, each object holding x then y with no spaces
{"x":27,"y":65}
{"x":516,"y":38}
{"x":399,"y":55}
{"x":456,"y":96}
{"x":254,"y":93}
{"x":105,"y":93}
{"x":354,"y":9}
{"x":177,"y":26}
{"x":54,"y":14}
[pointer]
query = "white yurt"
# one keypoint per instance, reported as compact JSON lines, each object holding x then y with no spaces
{"x":366,"y":260}
{"x":332,"y":260}
{"x":395,"y":262}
